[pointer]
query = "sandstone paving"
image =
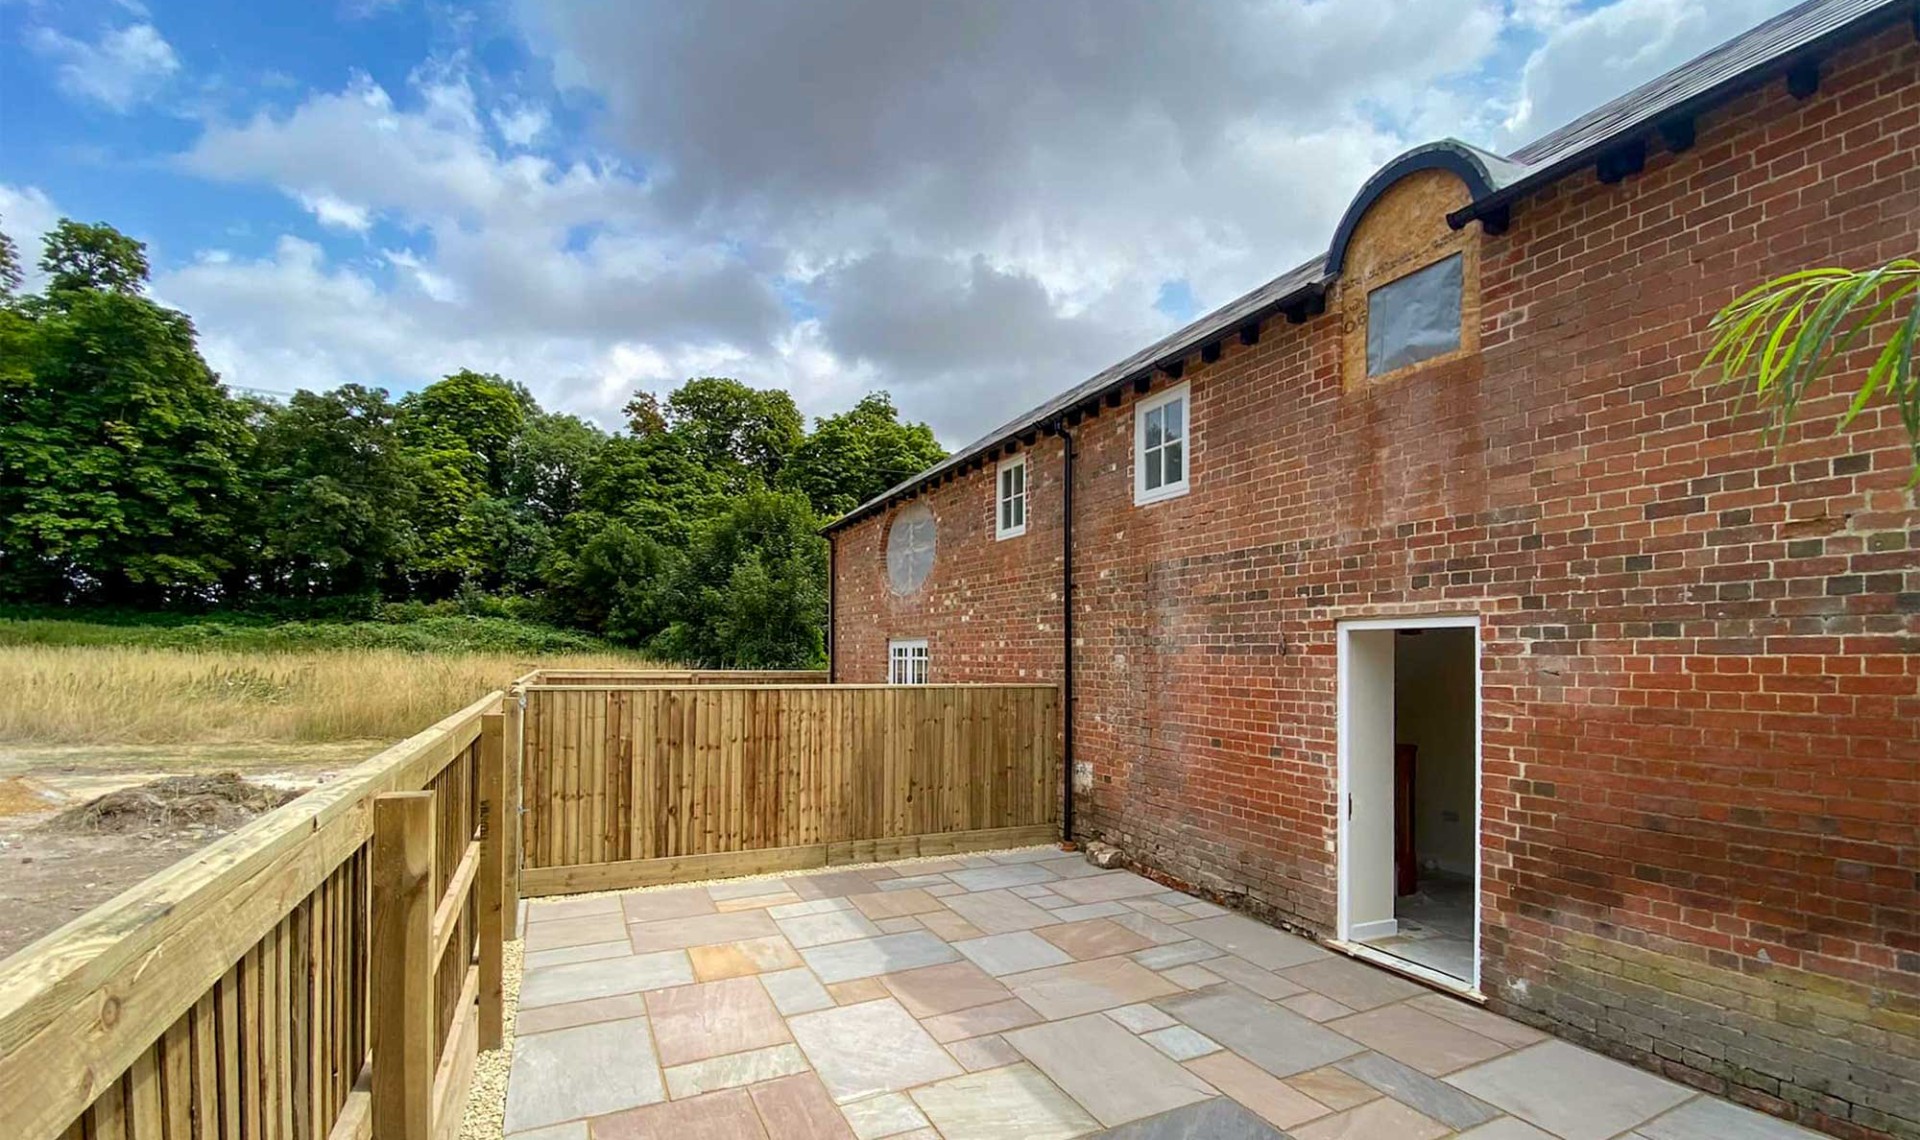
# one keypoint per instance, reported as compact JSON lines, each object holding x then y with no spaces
{"x":1024,"y":994}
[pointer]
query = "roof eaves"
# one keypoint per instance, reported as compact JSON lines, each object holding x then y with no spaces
{"x":1275,"y":296}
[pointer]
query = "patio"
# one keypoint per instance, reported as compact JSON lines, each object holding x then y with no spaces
{"x":1023,"y":995}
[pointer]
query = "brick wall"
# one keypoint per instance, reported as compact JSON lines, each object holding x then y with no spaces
{"x":1700,"y":660}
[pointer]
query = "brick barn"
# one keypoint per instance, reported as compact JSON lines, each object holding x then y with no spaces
{"x":1427,"y":600}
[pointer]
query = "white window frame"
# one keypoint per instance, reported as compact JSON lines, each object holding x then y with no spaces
{"x":903,"y":655}
{"x":1142,"y":496}
{"x":1001,"y":498}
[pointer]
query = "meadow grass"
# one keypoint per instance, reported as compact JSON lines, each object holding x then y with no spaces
{"x":120,"y":694}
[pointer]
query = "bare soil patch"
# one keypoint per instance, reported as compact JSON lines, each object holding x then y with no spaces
{"x":80,"y":825}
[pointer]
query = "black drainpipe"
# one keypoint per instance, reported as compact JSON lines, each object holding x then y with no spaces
{"x":833,"y":587}
{"x":1066,"y":631}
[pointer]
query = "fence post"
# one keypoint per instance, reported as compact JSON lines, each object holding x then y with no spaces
{"x":401,"y":967}
{"x":512,"y":821}
{"x":493,"y":875}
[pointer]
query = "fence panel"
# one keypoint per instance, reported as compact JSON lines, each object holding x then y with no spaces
{"x":228,"y":996}
{"x":650,"y":783}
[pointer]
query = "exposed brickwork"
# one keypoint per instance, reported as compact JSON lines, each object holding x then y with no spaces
{"x":1700,"y":660}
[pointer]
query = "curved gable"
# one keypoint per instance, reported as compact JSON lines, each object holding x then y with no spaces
{"x":1482,"y":173}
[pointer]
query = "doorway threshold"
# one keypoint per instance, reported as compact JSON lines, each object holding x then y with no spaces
{"x":1436,"y":979}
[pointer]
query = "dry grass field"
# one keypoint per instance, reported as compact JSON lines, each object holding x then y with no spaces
{"x":102,"y":695}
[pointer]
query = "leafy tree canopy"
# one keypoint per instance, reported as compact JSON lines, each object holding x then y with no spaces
{"x":130,"y":477}
{"x":81,"y":257}
{"x":853,"y":456}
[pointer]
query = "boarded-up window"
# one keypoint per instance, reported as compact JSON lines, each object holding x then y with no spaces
{"x":1414,"y":318}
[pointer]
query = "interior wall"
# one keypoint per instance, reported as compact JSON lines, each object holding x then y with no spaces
{"x":1433,"y":709}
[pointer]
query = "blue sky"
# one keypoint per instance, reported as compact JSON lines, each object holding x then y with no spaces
{"x":972,"y":206}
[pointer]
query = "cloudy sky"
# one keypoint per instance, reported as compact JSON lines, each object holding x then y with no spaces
{"x":971,"y":204}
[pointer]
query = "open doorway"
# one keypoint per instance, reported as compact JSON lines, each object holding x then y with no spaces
{"x":1409,"y":775}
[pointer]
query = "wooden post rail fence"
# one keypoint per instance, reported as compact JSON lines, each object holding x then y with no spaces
{"x":644,"y":782}
{"x":331,"y":970}
{"x":327,"y":972}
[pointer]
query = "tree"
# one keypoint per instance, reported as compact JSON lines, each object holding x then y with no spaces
{"x":1778,"y":339}
{"x":475,"y":411}
{"x":93,"y":257}
{"x":118,"y":447}
{"x":460,"y":431}
{"x":745,"y":433}
{"x":653,"y":484}
{"x":10,"y":277}
{"x":547,"y":464}
{"x":336,"y":493}
{"x":605,"y":576}
{"x":752,"y":591}
{"x":857,"y":454}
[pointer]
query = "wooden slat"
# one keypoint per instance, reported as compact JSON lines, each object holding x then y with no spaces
{"x":402,"y":969}
{"x":492,"y":880}
{"x":448,"y":915}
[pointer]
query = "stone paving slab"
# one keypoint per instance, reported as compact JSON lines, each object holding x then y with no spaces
{"x":1117,"y":1076}
{"x":589,"y":1070}
{"x":1024,"y":994}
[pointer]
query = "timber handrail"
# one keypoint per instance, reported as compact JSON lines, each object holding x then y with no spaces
{"x":132,"y":1015}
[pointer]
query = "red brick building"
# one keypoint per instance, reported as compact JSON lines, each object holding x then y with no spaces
{"x":1428,"y":601}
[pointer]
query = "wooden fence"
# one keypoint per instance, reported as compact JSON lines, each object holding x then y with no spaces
{"x":603,"y":678}
{"x":638,"y":784}
{"x":325,"y":973}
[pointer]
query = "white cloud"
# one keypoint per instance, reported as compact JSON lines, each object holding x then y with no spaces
{"x":124,"y":67}
{"x":522,"y":124}
{"x":1587,"y":60}
{"x":335,"y":213}
{"x":26,"y":214}
{"x":974,"y":206}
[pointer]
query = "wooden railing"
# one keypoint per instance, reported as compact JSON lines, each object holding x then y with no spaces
{"x":241,"y":993}
{"x":626,"y":785}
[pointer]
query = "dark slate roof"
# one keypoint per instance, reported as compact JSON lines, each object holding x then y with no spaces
{"x":1743,"y":63}
{"x":1739,"y":65}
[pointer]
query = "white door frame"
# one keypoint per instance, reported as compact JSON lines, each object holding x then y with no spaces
{"x":1343,"y":736}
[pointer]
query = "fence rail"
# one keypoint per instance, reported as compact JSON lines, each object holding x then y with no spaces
{"x":603,"y":678}
{"x":639,"y":783}
{"x":229,"y":996}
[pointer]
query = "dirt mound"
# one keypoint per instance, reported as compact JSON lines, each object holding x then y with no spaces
{"x":217,"y":801}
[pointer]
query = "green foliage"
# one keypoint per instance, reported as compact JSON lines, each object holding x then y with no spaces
{"x":752,"y":591}
{"x":1778,"y":339}
{"x":96,"y":258}
{"x":337,"y":494}
{"x":445,"y":633}
{"x":745,"y":434}
{"x":858,"y":454}
{"x":547,"y":464}
{"x":461,"y":516}
{"x":10,"y":277}
{"x":118,"y":447}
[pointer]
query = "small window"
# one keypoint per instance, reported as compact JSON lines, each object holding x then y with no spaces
{"x":907,"y":661}
{"x":1414,"y":318}
{"x":1011,"y":511}
{"x":1160,"y":452}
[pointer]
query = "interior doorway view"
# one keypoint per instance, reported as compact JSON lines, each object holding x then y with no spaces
{"x":1409,"y":785}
